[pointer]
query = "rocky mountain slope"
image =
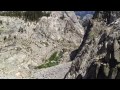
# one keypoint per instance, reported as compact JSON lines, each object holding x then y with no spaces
{"x":26,"y":45}
{"x":61,"y":46}
{"x":99,"y":53}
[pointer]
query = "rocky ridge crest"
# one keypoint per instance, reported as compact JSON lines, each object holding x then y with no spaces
{"x":99,"y":53}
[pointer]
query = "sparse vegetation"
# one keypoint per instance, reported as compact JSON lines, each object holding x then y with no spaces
{"x":52,"y":61}
{"x":94,"y":33}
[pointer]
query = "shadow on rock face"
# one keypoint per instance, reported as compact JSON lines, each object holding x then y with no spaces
{"x":73,"y":54}
{"x":79,"y":76}
{"x":91,"y":72}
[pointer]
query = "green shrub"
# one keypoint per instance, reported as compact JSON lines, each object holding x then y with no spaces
{"x":52,"y":61}
{"x":53,"y":56}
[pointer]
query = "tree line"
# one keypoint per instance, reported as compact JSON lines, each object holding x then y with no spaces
{"x":26,"y":15}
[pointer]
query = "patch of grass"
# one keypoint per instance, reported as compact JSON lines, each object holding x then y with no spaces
{"x":53,"y":56}
{"x":94,"y":33}
{"x":52,"y":61}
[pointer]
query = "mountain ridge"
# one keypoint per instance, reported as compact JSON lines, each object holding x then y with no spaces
{"x":98,"y":58}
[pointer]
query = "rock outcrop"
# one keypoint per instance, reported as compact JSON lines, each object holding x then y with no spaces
{"x":55,"y":72}
{"x":99,"y":53}
{"x":25,"y":45}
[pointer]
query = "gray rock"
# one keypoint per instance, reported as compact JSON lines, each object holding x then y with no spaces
{"x":55,"y":72}
{"x":114,"y":73}
{"x":106,"y":70}
{"x":116,"y":51}
{"x":104,"y":50}
{"x":27,"y":44}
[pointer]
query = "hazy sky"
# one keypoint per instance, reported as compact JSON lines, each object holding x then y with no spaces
{"x":83,"y":13}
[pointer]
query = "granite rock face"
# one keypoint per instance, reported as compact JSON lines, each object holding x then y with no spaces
{"x":94,"y":48}
{"x":24,"y":45}
{"x":99,"y":53}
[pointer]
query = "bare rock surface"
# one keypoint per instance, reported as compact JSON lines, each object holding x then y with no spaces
{"x":28,"y":44}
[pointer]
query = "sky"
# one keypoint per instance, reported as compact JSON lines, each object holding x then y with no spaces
{"x":83,"y":13}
